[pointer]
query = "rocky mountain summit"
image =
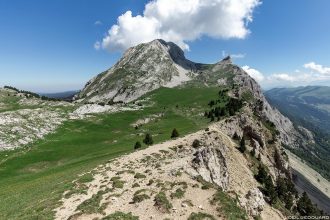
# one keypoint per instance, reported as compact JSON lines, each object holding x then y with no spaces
{"x":141,"y":69}
{"x":149,"y":66}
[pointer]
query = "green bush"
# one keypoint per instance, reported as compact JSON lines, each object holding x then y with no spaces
{"x":205,"y":185}
{"x":117,"y":183}
{"x":262,"y":174}
{"x":270,"y":190}
{"x":86,"y":178}
{"x":151,"y":181}
{"x":92,"y":205}
{"x":305,"y":206}
{"x":135,"y":185}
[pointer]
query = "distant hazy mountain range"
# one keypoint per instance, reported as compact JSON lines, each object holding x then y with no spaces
{"x":68,"y":95}
{"x":308,"y":106}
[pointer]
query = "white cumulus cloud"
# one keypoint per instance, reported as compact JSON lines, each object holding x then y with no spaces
{"x":181,"y":21}
{"x":317,"y":68}
{"x":283,"y":77}
{"x":313,"y":74}
{"x":255,"y":74}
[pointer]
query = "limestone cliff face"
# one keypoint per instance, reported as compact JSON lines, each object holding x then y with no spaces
{"x":225,"y":73}
{"x":210,"y":162}
{"x":288,"y":133}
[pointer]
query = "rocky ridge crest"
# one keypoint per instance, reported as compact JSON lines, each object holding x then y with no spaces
{"x":149,"y":66}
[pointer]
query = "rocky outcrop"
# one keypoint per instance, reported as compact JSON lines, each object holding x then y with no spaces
{"x":243,"y":124}
{"x":24,"y":126}
{"x":288,"y":134}
{"x":257,"y":138}
{"x":307,"y":134}
{"x":253,"y":202}
{"x":210,"y":163}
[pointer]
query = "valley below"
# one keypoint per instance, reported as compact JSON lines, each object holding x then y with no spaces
{"x":308,"y":180}
{"x":315,"y":194}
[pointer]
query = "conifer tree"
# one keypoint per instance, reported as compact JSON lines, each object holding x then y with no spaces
{"x":148,"y":139}
{"x":242,"y":146}
{"x":175,"y":133}
{"x":137,"y":145}
{"x":253,"y":152}
{"x":262,"y":174}
{"x":270,"y":189}
{"x":235,"y":136}
{"x":305,"y":206}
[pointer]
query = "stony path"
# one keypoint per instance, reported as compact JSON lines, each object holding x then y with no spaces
{"x":120,"y":184}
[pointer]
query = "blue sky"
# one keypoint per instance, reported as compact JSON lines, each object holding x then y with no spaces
{"x":48,"y":46}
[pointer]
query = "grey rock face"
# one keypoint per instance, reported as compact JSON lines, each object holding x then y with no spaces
{"x":243,"y":124}
{"x":143,"y":68}
{"x":288,"y":134}
{"x":209,"y":162}
{"x":253,"y":202}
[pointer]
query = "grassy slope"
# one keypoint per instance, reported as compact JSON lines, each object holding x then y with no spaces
{"x":33,"y":179}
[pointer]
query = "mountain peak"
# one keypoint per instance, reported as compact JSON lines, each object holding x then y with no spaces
{"x":175,"y":52}
{"x":223,"y":63}
{"x":226,"y":60}
{"x":158,"y":41}
{"x":142,"y":68}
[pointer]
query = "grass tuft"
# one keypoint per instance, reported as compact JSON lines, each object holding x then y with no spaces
{"x":228,"y":206}
{"x":200,"y":216}
{"x":162,"y":203}
{"x":121,"y":216}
